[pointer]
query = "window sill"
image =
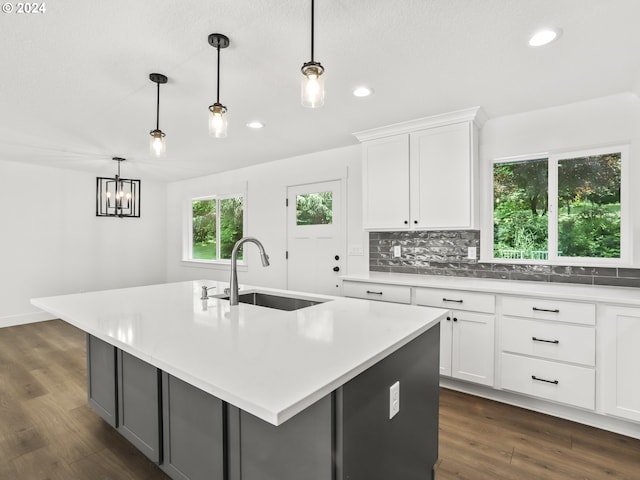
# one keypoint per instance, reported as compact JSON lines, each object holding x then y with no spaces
{"x":213,"y":265}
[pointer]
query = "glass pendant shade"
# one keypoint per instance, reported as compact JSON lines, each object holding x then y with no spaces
{"x":218,"y":120}
{"x":312,"y":85}
{"x":157,"y":143}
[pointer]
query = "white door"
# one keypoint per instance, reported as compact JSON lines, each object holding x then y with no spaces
{"x":315,"y":245}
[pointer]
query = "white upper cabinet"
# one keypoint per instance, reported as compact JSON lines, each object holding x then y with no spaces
{"x":386,"y":182}
{"x":422,"y":174}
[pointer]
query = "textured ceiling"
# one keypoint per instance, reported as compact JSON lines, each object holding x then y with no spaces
{"x":74,"y":89}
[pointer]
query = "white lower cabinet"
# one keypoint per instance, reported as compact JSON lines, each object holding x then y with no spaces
{"x":559,"y":382}
{"x":380,"y":292}
{"x":619,"y":361}
{"x":548,"y":349}
{"x":466,"y":337}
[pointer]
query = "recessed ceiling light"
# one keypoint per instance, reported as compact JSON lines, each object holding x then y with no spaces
{"x":255,"y":124}
{"x":362,"y":91}
{"x":544,"y":37}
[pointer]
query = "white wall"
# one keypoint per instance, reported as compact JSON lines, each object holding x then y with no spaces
{"x":602,"y":121}
{"x":266,"y":212}
{"x":52,"y":243}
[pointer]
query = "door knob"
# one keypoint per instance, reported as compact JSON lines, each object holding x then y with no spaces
{"x":336,"y":269}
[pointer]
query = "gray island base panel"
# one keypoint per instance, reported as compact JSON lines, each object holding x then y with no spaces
{"x":346,"y":435}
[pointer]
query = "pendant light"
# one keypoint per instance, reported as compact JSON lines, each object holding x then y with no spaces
{"x":218,"y":116}
{"x":157,"y":145}
{"x":117,"y":196}
{"x":312,"y":87}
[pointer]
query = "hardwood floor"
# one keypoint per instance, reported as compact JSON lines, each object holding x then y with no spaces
{"x":47,"y":431}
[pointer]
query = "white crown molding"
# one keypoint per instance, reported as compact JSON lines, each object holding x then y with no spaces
{"x":475,"y":114}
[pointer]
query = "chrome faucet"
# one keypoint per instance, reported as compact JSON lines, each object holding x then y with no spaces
{"x":233,"y":281}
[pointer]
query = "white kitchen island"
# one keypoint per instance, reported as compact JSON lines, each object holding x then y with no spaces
{"x":247,"y":392}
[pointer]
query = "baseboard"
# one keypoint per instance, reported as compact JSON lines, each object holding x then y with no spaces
{"x":24,"y":318}
{"x":593,"y":419}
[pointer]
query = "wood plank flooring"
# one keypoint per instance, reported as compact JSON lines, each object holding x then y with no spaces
{"x":47,"y":431}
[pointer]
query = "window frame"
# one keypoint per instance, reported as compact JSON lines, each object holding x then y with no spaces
{"x":187,"y":251}
{"x":552,"y":235}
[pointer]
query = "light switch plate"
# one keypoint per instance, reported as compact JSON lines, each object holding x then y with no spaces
{"x":394,"y":400}
{"x":471,"y":253}
{"x":397,"y":251}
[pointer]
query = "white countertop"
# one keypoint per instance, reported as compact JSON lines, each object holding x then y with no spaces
{"x":270,"y":363}
{"x":593,"y":293}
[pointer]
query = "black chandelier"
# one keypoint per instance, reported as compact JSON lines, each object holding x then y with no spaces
{"x":117,"y":197}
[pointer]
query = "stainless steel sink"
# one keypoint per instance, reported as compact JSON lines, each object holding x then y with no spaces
{"x":275,"y":301}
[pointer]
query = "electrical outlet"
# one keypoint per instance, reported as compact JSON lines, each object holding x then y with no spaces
{"x":397,"y":251}
{"x":471,"y":253}
{"x":394,"y":400}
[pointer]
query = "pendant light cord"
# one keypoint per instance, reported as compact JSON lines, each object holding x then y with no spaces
{"x":218,"y":86}
{"x":312,"y":23}
{"x":157,"y":109}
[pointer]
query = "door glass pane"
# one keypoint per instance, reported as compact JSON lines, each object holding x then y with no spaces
{"x":589,"y":206}
{"x":520,"y":207}
{"x":231,"y":219}
{"x":314,"y":208}
{"x":204,"y":229}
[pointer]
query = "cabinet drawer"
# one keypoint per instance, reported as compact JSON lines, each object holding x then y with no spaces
{"x":553,"y":341}
{"x":456,"y":299}
{"x":549,"y":380}
{"x":375,"y":291}
{"x":559,"y":310}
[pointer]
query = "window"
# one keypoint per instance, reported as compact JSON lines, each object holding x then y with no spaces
{"x":565,"y":208}
{"x":314,"y":208}
{"x":217,"y":223}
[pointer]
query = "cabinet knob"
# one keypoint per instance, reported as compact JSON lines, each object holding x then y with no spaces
{"x":337,"y":257}
{"x":406,"y":222}
{"x":448,"y":319}
{"x":415,"y":222}
{"x":455,"y":319}
{"x":336,"y":269}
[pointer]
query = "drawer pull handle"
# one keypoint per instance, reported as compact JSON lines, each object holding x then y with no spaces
{"x":555,"y":382}
{"x":545,"y":341}
{"x":554,"y":310}
{"x":373,"y":293}
{"x":451,"y":300}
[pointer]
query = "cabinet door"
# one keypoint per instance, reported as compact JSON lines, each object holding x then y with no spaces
{"x":138,"y":404}
{"x":101,"y":379}
{"x":193,"y":432}
{"x":446,"y":327}
{"x":386,"y":183}
{"x":619,"y":332}
{"x":442,"y":177}
{"x":473,"y":347}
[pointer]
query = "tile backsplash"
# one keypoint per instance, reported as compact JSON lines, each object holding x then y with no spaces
{"x":444,"y":252}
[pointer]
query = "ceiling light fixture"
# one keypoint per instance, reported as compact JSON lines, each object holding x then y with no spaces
{"x":362,"y":92}
{"x":218,"y":116}
{"x":117,"y":197}
{"x":312,"y":87}
{"x":544,"y":37}
{"x":255,"y":125}
{"x":157,"y":145}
